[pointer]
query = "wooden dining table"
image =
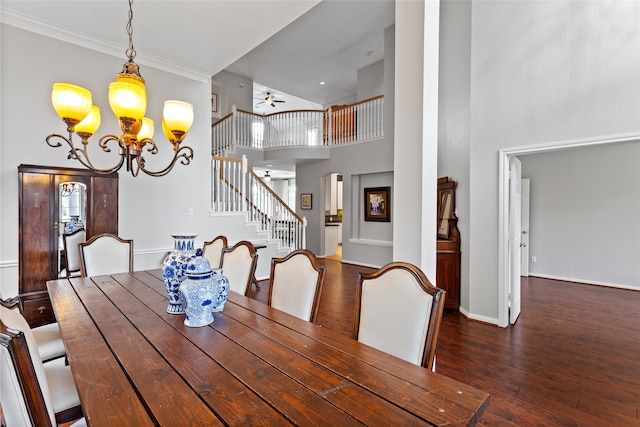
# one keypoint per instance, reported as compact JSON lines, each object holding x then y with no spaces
{"x":134,"y":364}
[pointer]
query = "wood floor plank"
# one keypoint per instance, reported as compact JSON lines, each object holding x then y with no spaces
{"x":570,"y":360}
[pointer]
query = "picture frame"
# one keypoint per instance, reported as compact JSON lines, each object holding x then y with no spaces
{"x":377,"y":204}
{"x":305,"y":201}
{"x":216,"y":100}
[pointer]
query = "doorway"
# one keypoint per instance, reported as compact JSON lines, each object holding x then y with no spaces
{"x":333,"y":216}
{"x":504,"y":215}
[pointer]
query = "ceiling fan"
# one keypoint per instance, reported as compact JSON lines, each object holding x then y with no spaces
{"x":269,"y":100}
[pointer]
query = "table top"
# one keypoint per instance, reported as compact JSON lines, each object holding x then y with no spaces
{"x":134,"y":364}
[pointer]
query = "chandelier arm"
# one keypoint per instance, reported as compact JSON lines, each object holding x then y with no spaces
{"x":185,"y":154}
{"x":81,"y":154}
{"x":105,"y":139}
{"x":153,"y":149}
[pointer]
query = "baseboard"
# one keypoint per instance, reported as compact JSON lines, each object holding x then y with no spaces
{"x":586,"y":282}
{"x":477,"y":318}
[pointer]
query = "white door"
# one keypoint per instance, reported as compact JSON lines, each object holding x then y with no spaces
{"x":524,"y":256}
{"x":515,"y":208}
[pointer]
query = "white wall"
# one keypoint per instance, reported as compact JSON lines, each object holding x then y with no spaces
{"x":541,"y":73}
{"x":149,"y":208}
{"x":352,"y":161}
{"x":370,"y":83}
{"x":584,"y":223}
{"x":454,"y":118}
{"x":237,"y":90}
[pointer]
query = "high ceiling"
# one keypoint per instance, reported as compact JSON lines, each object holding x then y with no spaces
{"x":307,"y":42}
{"x":195,"y":38}
{"x":286,"y":46}
{"x":329,"y":44}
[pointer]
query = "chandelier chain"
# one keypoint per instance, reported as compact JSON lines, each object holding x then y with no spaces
{"x":130,"y":52}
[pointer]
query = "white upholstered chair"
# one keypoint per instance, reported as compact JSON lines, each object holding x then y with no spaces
{"x":296,"y":284}
{"x":212,"y":250}
{"x":399,"y":312}
{"x":49,"y":341}
{"x":72,"y":252}
{"x":33,"y":393}
{"x":239,"y":266}
{"x":106,"y":254}
{"x":48,"y":337}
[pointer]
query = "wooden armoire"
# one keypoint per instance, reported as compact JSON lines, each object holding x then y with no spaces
{"x":448,"y":244}
{"x":39,"y":228}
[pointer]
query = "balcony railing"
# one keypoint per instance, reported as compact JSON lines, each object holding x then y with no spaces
{"x":358,"y":122}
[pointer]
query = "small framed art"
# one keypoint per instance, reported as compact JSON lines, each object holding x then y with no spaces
{"x":377,"y":206}
{"x":305,"y":201}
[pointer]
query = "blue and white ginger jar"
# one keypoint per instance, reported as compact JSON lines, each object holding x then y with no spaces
{"x":173,"y":270}
{"x":200,"y":290}
{"x":223,"y":293}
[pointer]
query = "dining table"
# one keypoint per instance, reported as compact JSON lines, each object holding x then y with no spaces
{"x":134,"y":364}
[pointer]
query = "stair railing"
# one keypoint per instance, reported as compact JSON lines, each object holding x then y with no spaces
{"x":236,"y":188}
{"x":362,"y":121}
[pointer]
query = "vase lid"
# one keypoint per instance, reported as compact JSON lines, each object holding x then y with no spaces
{"x":198,"y":265}
{"x":184,"y":235}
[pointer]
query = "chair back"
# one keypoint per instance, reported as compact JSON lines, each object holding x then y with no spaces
{"x":70,"y":244}
{"x":212,"y":250}
{"x":239,"y":266}
{"x":25,"y":394}
{"x":296,"y":284}
{"x":106,"y":254}
{"x":399,"y":312}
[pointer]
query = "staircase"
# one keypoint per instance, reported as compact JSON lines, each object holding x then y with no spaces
{"x":236,"y":188}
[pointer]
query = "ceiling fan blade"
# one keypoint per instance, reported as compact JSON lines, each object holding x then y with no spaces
{"x":278,"y":101}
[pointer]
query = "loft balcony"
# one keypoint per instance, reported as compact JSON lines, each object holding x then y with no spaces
{"x":297,"y":135}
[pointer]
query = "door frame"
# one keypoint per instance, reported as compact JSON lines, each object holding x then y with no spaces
{"x":524,"y":257}
{"x":503,"y":205}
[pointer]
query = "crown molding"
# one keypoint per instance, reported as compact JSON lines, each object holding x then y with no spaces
{"x":25,"y":22}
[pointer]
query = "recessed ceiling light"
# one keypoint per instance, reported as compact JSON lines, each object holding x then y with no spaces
{"x":321,"y":83}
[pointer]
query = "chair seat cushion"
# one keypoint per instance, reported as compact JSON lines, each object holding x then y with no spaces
{"x":60,"y":379}
{"x":49,"y":341}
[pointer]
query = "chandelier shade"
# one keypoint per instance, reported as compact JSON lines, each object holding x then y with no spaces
{"x":128,"y":101}
{"x":178,"y":117}
{"x":146,"y":131}
{"x":71,"y":102}
{"x":90,"y":124}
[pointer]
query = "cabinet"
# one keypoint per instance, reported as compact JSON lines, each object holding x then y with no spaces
{"x":448,"y":244}
{"x":40,"y":227}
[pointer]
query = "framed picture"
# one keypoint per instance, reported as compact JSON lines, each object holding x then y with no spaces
{"x":216,"y":100}
{"x":377,"y":204}
{"x":305,"y":201}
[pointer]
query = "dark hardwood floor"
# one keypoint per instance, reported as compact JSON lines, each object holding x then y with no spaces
{"x":572,"y":359}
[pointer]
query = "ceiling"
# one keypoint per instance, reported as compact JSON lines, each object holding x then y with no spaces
{"x":286,"y":47}
{"x":193,"y":38}
{"x":329,"y":44}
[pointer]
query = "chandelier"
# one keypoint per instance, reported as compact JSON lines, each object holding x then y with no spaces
{"x":128,"y":100}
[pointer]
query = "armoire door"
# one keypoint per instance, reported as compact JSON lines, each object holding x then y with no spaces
{"x":42,"y":218}
{"x":37,"y":261}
